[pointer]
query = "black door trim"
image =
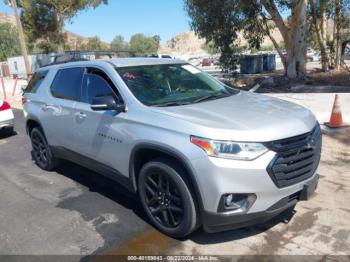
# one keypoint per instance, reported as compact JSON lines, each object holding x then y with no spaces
{"x":105,"y":170}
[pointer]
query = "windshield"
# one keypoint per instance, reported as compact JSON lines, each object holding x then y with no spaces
{"x":171,"y":85}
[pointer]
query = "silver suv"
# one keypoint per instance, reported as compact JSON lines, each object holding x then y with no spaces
{"x":197,"y":152}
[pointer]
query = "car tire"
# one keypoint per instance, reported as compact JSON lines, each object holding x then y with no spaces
{"x":41,"y":151}
{"x":170,"y":199}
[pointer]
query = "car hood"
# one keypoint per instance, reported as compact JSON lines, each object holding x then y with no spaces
{"x":245,"y":116}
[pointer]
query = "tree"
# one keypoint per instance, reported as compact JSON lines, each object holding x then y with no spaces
{"x":14,"y":4}
{"x":341,"y":18}
{"x":9,"y":44}
{"x":119,"y":44}
{"x":95,"y":44}
{"x":337,"y":27}
{"x":220,"y":21}
{"x":210,"y":48}
{"x":329,"y":42}
{"x":319,"y":23}
{"x":44,"y":20}
{"x":143,"y":45}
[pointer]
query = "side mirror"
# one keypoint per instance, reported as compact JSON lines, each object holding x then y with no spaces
{"x":102,"y":103}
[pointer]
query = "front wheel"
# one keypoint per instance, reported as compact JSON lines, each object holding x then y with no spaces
{"x":166,"y":198}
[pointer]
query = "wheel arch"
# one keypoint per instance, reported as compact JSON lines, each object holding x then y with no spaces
{"x":144,"y":152}
{"x":32,"y":123}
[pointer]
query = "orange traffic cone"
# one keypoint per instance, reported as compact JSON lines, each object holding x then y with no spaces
{"x":336,"y":116}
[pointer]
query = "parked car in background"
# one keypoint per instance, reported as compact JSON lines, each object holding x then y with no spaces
{"x":197,"y":152}
{"x":346,"y":55}
{"x":216,"y":61}
{"x":195,"y":61}
{"x":161,"y":56}
{"x":6,"y":118}
{"x":312,"y":55}
{"x":207,"y":61}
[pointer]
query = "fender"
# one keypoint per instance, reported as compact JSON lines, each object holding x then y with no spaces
{"x":35,"y":119}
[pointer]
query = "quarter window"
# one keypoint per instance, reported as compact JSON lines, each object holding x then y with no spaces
{"x":35,"y":82}
{"x":67,"y":83}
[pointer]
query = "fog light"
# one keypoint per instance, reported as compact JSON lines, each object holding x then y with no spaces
{"x":238,"y":202}
{"x":228,"y":199}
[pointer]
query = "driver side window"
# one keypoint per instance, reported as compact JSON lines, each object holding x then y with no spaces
{"x":96,"y":83}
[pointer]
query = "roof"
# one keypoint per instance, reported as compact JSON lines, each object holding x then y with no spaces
{"x":118,"y":62}
{"x":138,"y":61}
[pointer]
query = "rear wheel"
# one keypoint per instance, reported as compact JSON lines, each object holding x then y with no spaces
{"x":166,"y":198}
{"x":41,"y":151}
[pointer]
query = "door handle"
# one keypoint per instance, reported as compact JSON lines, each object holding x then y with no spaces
{"x":45,"y":107}
{"x":80,"y":115}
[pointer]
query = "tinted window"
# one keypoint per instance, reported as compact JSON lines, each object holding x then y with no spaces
{"x":95,"y":83}
{"x":67,"y":83}
{"x":35,"y":82}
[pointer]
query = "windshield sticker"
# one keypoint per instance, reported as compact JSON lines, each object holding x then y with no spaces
{"x":129,"y":76}
{"x":191,"y":69}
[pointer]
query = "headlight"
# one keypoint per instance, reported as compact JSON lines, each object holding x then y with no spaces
{"x":229,"y":149}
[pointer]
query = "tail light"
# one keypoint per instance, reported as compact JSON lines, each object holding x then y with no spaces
{"x":24,"y":100}
{"x":5,"y":106}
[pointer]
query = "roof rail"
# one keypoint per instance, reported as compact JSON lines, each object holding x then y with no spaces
{"x":86,"y":55}
{"x":109,"y":53}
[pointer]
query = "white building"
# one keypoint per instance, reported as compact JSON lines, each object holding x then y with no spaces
{"x":17,"y":67}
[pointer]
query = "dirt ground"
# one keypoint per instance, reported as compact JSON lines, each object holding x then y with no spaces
{"x":315,"y":82}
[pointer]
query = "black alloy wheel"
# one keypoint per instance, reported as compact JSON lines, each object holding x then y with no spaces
{"x":163,"y":200}
{"x":167,"y":197}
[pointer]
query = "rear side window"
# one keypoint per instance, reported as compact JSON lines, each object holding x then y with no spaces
{"x":67,"y":83}
{"x":35,"y":82}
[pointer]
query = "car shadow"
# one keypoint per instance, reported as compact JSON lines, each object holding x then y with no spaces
{"x":5,"y":134}
{"x":102,"y":185}
{"x":110,"y":189}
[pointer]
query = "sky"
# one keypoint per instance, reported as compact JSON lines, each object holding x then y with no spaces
{"x":166,"y":18}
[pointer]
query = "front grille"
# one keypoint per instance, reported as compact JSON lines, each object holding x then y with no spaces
{"x":297,"y":158}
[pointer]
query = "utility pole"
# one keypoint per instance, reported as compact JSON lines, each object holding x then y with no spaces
{"x":21,"y":38}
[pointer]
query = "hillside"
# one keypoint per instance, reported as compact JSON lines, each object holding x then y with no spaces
{"x":183,"y":46}
{"x":188,"y":44}
{"x":74,"y":40}
{"x":6,"y":18}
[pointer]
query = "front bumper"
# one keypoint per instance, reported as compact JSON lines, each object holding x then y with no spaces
{"x":6,"y":119}
{"x":215,"y":222}
{"x":216,"y":177}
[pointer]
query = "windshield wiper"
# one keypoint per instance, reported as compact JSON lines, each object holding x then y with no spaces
{"x":210,"y":97}
{"x":173,"y":103}
{"x":201,"y":99}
